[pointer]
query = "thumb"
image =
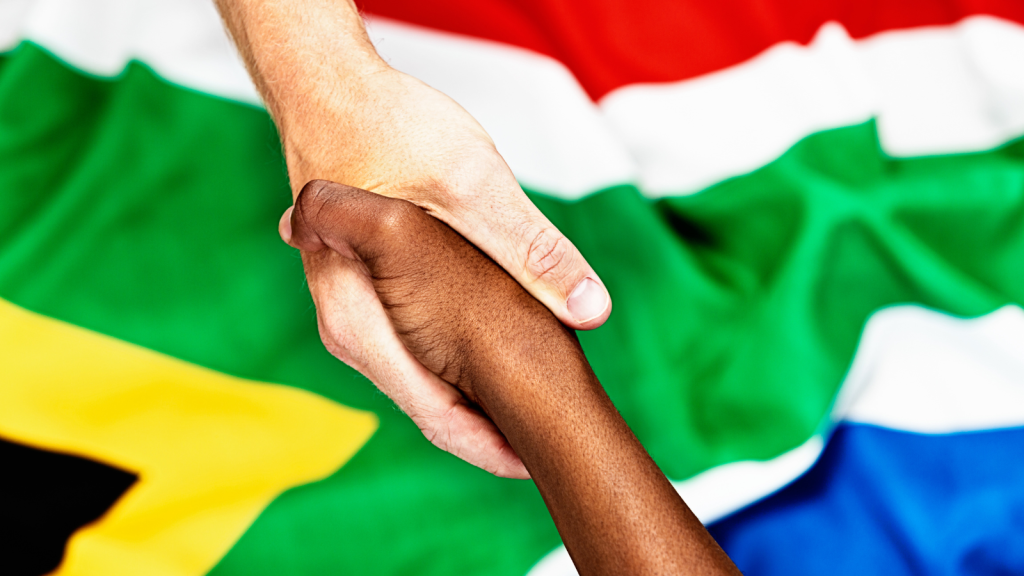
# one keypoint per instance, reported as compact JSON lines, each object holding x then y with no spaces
{"x":520,"y":239}
{"x":354,"y":223}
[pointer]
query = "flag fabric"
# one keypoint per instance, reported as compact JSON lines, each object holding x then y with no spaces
{"x":810,"y":216}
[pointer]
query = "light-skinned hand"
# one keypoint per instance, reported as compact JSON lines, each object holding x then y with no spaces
{"x":344,"y":115}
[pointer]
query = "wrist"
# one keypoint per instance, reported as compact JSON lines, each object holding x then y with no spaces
{"x":312,"y":62}
{"x":306,"y":102}
{"x":324,"y":123}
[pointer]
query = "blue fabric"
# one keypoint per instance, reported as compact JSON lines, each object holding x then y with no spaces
{"x":881,"y":501}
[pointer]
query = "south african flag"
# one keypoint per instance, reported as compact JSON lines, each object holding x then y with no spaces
{"x":810,"y":216}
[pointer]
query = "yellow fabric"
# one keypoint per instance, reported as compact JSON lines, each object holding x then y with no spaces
{"x":211,"y":451}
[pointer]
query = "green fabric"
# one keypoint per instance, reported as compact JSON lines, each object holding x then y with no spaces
{"x":148,"y":212}
{"x":738,"y":309}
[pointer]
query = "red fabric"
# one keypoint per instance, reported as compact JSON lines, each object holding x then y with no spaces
{"x":611,"y":43}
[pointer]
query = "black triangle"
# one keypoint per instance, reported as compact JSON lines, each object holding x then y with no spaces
{"x":44,"y":498}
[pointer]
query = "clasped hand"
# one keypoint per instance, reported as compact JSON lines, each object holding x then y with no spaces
{"x":416,"y":144}
{"x":453,"y":318}
{"x":501,"y":358}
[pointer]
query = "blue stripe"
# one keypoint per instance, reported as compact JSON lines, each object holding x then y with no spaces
{"x":881,"y":501}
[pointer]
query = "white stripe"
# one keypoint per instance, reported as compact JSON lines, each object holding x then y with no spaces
{"x":717,"y":492}
{"x":947,"y":89}
{"x":183,"y":40}
{"x":924,"y":371}
{"x":689,"y":135}
{"x":915,"y":370}
{"x":545,"y":126}
{"x":933,"y":90}
{"x":13,"y":14}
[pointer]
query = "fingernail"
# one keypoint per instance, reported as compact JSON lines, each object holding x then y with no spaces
{"x":587,"y":301}
{"x":286,"y":225}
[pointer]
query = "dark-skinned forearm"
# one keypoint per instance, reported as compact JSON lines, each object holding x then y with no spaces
{"x":615,"y":510}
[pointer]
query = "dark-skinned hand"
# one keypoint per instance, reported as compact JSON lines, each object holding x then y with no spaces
{"x":483,"y":336}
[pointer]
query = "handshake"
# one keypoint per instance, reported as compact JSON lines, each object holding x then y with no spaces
{"x":506,"y":361}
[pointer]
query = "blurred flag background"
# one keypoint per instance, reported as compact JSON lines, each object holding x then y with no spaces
{"x":810,"y":216}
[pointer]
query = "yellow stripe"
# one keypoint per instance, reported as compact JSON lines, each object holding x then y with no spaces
{"x":211,"y":450}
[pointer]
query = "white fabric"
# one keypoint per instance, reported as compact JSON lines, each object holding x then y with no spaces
{"x":182,"y":40}
{"x":936,"y":90}
{"x":923,"y":371}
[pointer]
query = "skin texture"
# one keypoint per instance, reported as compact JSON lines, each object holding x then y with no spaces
{"x":345,"y":115}
{"x":488,"y":340}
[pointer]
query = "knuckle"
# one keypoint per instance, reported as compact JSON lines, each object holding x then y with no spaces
{"x":312,"y":200}
{"x":312,"y":194}
{"x":437,"y":428}
{"x":437,"y":194}
{"x":551,"y":257}
{"x":398,"y":219}
{"x":477,"y":173}
{"x":339,"y":342}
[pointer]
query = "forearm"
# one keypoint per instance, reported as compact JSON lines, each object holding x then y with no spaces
{"x":615,"y":510}
{"x":300,"y":50}
{"x":310,"y":61}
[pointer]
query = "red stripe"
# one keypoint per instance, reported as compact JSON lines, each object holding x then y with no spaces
{"x":611,"y":43}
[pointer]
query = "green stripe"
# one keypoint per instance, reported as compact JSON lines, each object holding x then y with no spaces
{"x":738,"y":310}
{"x":149,"y":212}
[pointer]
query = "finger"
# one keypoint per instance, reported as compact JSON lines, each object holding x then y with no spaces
{"x":356,"y":329}
{"x":352,"y":221}
{"x":468,"y":434}
{"x":284,"y":227}
{"x":444,"y":417}
{"x":506,"y":225}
